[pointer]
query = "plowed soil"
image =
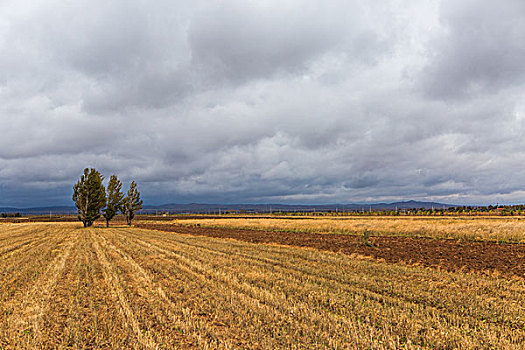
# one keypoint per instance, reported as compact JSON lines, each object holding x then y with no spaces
{"x":451,"y":255}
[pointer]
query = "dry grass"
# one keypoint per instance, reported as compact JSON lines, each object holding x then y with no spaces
{"x":62,"y":286}
{"x":499,"y":229}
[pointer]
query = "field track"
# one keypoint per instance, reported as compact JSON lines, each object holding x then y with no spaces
{"x":444,"y":253}
{"x":63,"y":286}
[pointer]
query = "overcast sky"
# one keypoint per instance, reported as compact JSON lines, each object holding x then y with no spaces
{"x":288,"y":101}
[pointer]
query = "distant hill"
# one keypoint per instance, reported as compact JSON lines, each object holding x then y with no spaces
{"x":261,"y":208}
{"x":40,"y":210}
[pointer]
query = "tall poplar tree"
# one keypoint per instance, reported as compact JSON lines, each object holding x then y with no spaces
{"x":115,"y":198}
{"x":89,"y":196}
{"x":131,"y":203}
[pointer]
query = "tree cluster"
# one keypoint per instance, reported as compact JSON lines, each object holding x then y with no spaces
{"x":10,"y":215}
{"x":93,"y":200}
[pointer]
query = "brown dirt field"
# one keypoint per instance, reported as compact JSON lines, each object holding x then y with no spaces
{"x":451,"y":255}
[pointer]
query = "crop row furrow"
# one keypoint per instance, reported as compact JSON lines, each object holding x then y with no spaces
{"x":275,"y":303}
{"x":112,"y":278}
{"x":14,"y":231}
{"x":454,"y":320}
{"x":333,"y":271}
{"x":27,"y":319}
{"x":170,"y":314}
{"x":20,"y":246}
{"x":200,"y":300}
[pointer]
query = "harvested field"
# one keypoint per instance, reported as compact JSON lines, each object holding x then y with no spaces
{"x":494,"y":229}
{"x":443,"y":253}
{"x":63,"y":286}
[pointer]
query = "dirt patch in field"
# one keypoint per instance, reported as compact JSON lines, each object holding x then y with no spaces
{"x":448,"y":254}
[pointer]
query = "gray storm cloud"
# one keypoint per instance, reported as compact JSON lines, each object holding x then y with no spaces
{"x":264,"y":101}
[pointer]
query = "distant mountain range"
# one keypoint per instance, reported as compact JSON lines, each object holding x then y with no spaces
{"x":40,"y":210}
{"x":209,"y":208}
{"x":250,"y":208}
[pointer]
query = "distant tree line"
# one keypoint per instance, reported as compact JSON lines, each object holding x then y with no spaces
{"x":490,"y":210}
{"x":93,"y":200}
{"x":10,"y":215}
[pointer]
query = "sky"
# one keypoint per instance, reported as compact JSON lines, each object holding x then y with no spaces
{"x":243,"y":101}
